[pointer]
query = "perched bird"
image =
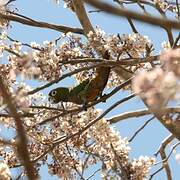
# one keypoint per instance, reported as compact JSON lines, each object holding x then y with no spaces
{"x":87,"y":91}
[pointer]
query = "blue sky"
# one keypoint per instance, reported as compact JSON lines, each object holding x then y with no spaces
{"x":148,"y":141}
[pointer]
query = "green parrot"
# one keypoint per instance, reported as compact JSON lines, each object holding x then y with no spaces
{"x":87,"y":91}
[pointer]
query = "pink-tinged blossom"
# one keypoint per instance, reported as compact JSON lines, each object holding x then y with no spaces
{"x":171,"y":61}
{"x":141,"y":167}
{"x":156,"y":86}
{"x":161,"y":84}
{"x":162,"y":4}
{"x":4,"y":7}
{"x":4,"y":171}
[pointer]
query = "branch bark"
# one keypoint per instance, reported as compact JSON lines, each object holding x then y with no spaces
{"x":163,"y":155}
{"x":30,"y":22}
{"x":22,"y":141}
{"x":134,"y":15}
{"x":139,"y":113}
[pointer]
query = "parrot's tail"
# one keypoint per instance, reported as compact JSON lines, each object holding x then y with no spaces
{"x":102,"y":73}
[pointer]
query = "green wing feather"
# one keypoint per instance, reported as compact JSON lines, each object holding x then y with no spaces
{"x":77,"y":94}
{"x":80,"y":87}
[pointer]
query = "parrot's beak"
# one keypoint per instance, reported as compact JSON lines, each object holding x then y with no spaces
{"x":51,"y":99}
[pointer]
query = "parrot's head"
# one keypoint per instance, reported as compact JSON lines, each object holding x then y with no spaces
{"x":59,"y":94}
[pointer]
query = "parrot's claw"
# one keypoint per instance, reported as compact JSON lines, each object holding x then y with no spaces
{"x":84,"y":106}
{"x":102,"y":96}
{"x":63,"y":108}
{"x":64,"y":111}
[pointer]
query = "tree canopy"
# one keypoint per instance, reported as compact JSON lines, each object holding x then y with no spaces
{"x":71,"y":141}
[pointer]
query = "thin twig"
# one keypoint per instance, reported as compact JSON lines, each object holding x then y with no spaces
{"x":46,"y":107}
{"x":24,"y":44}
{"x":141,"y":128}
{"x":152,"y":175}
{"x":164,"y":157}
{"x":178,"y":9}
{"x":74,"y":165}
{"x":164,"y":143}
{"x":20,"y":115}
{"x":126,"y":61}
{"x":176,"y":41}
{"x":169,"y":155}
{"x":93,"y":174}
{"x":129,"y":19}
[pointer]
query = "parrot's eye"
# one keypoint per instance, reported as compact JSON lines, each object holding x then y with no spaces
{"x":53,"y":93}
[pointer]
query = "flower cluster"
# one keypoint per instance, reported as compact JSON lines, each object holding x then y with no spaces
{"x":171,"y":61}
{"x":99,"y":143}
{"x":161,"y":84}
{"x":4,"y":171}
{"x":3,"y":22}
{"x":19,"y":94}
{"x":166,"y":5}
{"x":141,"y":167}
{"x":114,"y":152}
{"x":128,"y":45}
{"x":38,"y":62}
{"x":4,"y":8}
{"x":68,"y":4}
{"x":162,"y":4}
{"x":10,"y":157}
{"x":107,"y":139}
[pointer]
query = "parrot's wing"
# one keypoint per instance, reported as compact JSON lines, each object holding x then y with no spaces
{"x":75,"y":91}
{"x":98,"y":83}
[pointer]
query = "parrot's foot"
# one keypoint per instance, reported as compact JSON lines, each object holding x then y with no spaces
{"x":63,"y":108}
{"x":102,"y":96}
{"x":64,"y":111}
{"x":84,"y":106}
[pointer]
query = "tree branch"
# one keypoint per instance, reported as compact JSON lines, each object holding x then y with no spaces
{"x":30,"y":22}
{"x":138,"y":113}
{"x":82,"y":16}
{"x":22,"y":141}
{"x":141,"y":128}
{"x":164,"y":157}
{"x":61,"y":140}
{"x":126,"y":61}
{"x":134,"y":15}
